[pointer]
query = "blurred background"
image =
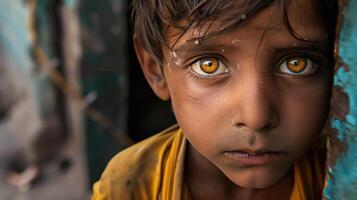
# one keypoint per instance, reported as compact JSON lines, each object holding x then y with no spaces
{"x":71,"y":95}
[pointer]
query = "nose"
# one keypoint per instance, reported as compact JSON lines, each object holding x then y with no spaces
{"x":257,"y":106}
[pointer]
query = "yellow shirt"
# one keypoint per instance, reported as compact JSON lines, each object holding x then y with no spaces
{"x":153,"y":169}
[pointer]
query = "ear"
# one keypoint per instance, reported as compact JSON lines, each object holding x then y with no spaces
{"x":152,"y":71}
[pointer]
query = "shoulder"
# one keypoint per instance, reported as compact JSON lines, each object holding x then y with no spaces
{"x":145,"y":147}
{"x":143,"y":153}
{"x":135,"y":167}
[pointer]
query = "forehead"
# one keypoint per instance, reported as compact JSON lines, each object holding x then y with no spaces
{"x":301,"y":15}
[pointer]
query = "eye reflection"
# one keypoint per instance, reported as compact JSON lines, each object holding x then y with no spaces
{"x":297,"y":66}
{"x":209,"y":67}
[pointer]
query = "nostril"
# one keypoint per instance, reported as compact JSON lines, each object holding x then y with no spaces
{"x":269,"y":126}
{"x":256,"y":125}
{"x":237,"y":124}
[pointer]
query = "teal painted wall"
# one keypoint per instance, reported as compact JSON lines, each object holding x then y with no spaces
{"x":343,"y":172}
{"x":104,"y":67}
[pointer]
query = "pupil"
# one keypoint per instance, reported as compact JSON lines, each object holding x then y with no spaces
{"x":209,"y":66}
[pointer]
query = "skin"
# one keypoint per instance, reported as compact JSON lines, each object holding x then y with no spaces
{"x":254,"y":105}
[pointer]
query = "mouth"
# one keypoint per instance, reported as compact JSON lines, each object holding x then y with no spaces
{"x":251,"y":158}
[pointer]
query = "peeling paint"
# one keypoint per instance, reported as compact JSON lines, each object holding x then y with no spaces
{"x":343,"y":176}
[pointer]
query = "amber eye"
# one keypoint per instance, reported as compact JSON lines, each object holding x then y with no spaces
{"x":296,"y":65}
{"x":209,"y":65}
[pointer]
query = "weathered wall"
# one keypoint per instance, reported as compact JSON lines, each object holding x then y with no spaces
{"x":343,"y":155}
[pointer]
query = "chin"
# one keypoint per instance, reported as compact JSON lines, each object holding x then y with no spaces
{"x":258,"y":179}
{"x":256,"y":184}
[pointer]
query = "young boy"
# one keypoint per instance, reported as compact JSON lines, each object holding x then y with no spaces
{"x":249,"y":83}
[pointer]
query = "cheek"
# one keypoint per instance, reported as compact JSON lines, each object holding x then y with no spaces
{"x":199,"y":112}
{"x":305,"y":112}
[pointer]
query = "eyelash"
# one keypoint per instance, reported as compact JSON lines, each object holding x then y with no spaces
{"x":188,"y":71}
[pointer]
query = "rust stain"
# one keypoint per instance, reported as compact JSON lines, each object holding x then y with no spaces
{"x":340,"y":103}
{"x":335,"y":148}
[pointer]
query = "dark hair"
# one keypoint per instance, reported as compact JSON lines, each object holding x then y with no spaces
{"x":152,"y":18}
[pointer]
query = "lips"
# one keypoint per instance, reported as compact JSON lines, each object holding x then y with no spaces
{"x":259,"y":157}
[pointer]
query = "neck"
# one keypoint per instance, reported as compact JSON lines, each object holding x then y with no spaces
{"x":205,"y":181}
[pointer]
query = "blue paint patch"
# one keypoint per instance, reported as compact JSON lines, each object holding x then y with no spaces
{"x":71,"y":3}
{"x":15,"y":49}
{"x":15,"y":41}
{"x":343,"y":180}
{"x":341,"y":126}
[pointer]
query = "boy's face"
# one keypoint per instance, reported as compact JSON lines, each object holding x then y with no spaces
{"x":253,"y":100}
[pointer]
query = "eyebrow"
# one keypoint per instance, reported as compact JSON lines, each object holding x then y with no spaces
{"x":319,"y":46}
{"x":203,"y":45}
